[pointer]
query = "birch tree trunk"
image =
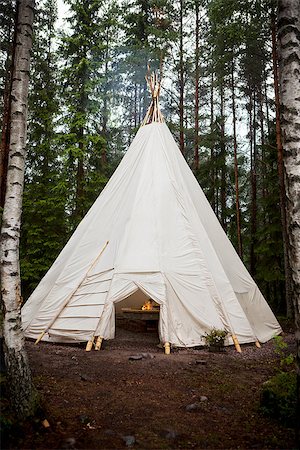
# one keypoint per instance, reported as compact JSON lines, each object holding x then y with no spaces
{"x":287,"y":270}
{"x":289,"y":84}
{"x":18,"y":371}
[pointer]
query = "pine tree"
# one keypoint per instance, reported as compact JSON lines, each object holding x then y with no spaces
{"x":84,"y":52}
{"x":44,"y":218}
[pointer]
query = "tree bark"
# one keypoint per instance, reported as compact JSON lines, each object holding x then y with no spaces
{"x":223,"y":163}
{"x":287,"y":271}
{"x":4,"y":144}
{"x":253,"y":186}
{"x":236,"y":172}
{"x":289,"y":83}
{"x":212,"y":146}
{"x":181,"y":82}
{"x":197,"y":76}
{"x":20,"y":384}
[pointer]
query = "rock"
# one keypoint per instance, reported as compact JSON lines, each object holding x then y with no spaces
{"x":147,"y":355}
{"x":83,"y":378}
{"x":74,"y":357}
{"x":109,"y":432}
{"x":69,"y":443}
{"x":203,"y":398}
{"x":129,"y":440}
{"x":201,"y":362}
{"x":194,"y":407}
{"x":169,"y":434}
{"x":135,"y":357}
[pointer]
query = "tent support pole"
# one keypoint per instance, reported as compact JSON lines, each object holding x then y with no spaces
{"x":71,"y":295}
{"x":98,"y":343}
{"x":236,"y":343}
{"x":40,"y":337}
{"x":167,"y":348}
{"x":89,"y":345}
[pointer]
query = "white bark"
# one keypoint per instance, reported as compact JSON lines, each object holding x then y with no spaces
{"x":289,"y":80}
{"x":15,"y":356}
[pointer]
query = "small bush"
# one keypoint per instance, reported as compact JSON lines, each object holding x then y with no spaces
{"x":215,"y":337}
{"x":278,"y":398}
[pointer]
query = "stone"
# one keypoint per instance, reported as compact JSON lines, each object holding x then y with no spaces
{"x":193,"y":407}
{"x":83,"y":378}
{"x":201,"y":362}
{"x":169,"y":434}
{"x":203,"y":398}
{"x":69,"y":443}
{"x":129,"y":440}
{"x":135,"y":357}
{"x":147,"y":355}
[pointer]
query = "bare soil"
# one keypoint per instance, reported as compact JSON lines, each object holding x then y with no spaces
{"x":104,"y":400}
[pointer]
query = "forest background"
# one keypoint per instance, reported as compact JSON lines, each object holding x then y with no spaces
{"x":88,"y":96}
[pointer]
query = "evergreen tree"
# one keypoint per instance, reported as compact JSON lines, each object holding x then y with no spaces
{"x":44,"y":218}
{"x":83,"y":51}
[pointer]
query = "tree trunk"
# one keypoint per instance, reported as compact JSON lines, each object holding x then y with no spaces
{"x":18,"y":371}
{"x":212,"y":146}
{"x":236,"y":173}
{"x":266,"y":102}
{"x":289,"y":82}
{"x":197,"y":75}
{"x":253,"y":188}
{"x":181,"y":83}
{"x":135,"y":105}
{"x":223,"y":163}
{"x":4,"y":144}
{"x":287,"y":271}
{"x":105,"y":107}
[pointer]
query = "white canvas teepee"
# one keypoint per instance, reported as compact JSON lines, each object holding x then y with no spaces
{"x":150,"y":229}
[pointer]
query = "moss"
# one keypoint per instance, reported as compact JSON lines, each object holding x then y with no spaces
{"x":278,"y":398}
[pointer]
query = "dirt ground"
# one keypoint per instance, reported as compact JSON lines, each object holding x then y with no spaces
{"x":191,"y":399}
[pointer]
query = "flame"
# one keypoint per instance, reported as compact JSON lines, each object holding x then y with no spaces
{"x":148,"y":305}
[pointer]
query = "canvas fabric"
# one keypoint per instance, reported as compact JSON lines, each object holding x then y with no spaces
{"x":164,"y":239}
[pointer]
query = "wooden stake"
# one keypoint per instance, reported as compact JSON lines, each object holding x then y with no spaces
{"x":40,"y":337}
{"x":257,"y":344}
{"x":89,"y":344}
{"x":236,"y":343}
{"x":71,"y":295}
{"x":167,"y":348}
{"x":98,"y":343}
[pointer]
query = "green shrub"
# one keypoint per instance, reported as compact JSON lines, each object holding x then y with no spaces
{"x":278,"y":398}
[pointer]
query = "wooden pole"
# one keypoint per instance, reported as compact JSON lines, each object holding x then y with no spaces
{"x":167,"y":348}
{"x":71,"y":295}
{"x":89,"y":344}
{"x":236,"y":343}
{"x":98,"y":343}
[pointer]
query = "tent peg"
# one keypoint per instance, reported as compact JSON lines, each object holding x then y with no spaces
{"x":89,"y":344}
{"x":257,"y":344}
{"x":98,"y":343}
{"x":236,"y":343}
{"x":167,"y":348}
{"x":40,"y":337}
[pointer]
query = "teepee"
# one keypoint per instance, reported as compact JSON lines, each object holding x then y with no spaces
{"x":151,"y":230}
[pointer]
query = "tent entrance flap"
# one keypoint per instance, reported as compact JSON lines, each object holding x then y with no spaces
{"x":135,"y":288}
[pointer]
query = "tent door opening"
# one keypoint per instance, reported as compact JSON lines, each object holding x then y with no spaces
{"x":138,"y":312}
